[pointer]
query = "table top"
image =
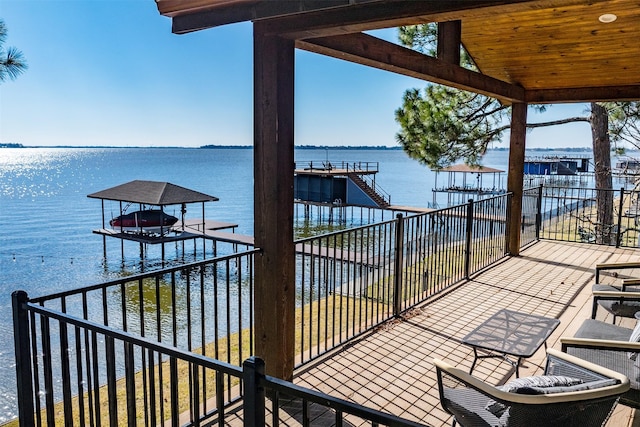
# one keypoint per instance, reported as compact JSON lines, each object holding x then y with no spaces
{"x":513,"y":333}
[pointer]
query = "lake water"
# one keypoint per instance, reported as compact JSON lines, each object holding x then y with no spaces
{"x":46,"y":219}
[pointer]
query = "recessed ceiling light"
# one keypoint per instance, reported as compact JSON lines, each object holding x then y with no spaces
{"x":607,"y":17}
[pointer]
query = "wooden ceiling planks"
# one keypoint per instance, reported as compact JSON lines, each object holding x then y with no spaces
{"x":559,"y":47}
{"x":539,"y":45}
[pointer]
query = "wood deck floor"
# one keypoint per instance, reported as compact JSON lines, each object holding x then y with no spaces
{"x":391,"y":368}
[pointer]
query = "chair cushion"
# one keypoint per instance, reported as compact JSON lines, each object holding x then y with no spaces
{"x":608,"y":288}
{"x":537,"y":384}
{"x":542,"y":384}
{"x":596,"y":329}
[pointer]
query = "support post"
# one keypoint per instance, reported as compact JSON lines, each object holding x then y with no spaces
{"x":619,"y":218}
{"x":22,"y":342}
{"x":539,"y":213}
{"x":397,"y":266}
{"x":273,"y":202}
{"x":449,"y":41}
{"x":468,"y":234}
{"x":254,"y":394}
{"x":515,"y":178}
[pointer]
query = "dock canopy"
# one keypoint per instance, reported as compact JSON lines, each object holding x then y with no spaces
{"x":152,"y":193}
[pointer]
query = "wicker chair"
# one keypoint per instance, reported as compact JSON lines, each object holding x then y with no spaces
{"x":473,"y":402}
{"x":608,"y":345}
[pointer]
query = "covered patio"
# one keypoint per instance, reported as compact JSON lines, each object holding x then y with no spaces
{"x":526,"y":51}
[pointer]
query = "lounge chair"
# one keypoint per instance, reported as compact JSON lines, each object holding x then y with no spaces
{"x":610,"y":346}
{"x":576,"y":393}
{"x":620,"y":301}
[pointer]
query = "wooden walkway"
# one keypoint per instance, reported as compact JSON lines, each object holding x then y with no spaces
{"x":391,"y":369}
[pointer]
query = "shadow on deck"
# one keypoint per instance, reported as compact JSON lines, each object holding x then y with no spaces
{"x":391,"y":369}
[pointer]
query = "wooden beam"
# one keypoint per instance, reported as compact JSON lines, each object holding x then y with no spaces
{"x":320,"y":18}
{"x":515,"y":177}
{"x":199,"y":17}
{"x":590,"y":94}
{"x":374,"y":52}
{"x":273,"y":203}
{"x":449,"y":35}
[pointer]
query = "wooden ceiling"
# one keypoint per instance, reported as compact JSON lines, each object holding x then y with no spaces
{"x":536,"y":51}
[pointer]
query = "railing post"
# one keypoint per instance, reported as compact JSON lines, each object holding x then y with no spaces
{"x":254,"y":395}
{"x":468,"y":232}
{"x":399,"y":261}
{"x":22,"y":339}
{"x":539,"y":213}
{"x":618,"y":234}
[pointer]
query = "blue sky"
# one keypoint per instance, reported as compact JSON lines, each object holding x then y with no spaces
{"x":112,"y":73}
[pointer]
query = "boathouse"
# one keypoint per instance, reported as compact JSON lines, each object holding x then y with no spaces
{"x":339,"y":184}
{"x":155,"y":194}
{"x":556,"y":165}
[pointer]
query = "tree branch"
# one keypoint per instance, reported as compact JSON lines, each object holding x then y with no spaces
{"x":558,"y":122}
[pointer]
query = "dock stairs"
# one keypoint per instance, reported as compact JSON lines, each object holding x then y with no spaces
{"x":370,"y":191}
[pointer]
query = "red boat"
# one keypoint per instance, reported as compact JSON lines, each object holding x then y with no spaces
{"x":145,"y":221}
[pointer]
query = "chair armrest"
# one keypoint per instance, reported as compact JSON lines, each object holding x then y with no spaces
{"x":630,"y":282}
{"x":614,"y":266}
{"x":609,"y":345}
{"x":624,"y":295}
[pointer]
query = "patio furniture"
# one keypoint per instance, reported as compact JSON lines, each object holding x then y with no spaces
{"x":610,"y":346}
{"x":587,"y":402}
{"x":620,"y":301}
{"x":510,"y":333}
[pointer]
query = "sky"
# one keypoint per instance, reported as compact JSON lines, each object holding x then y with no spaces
{"x":111,"y":73}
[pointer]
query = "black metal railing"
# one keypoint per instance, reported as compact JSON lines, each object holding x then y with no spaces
{"x":99,"y":346}
{"x":203,"y":308}
{"x":587,"y":215}
{"x":79,"y":372}
{"x":368,"y":167}
{"x":351,"y":281}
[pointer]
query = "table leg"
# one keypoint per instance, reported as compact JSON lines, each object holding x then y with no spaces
{"x":475,"y":359}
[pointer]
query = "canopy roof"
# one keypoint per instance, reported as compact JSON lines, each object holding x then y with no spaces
{"x":152,"y":193}
{"x":532,"y":51}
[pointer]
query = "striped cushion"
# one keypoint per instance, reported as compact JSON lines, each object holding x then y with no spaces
{"x":526,"y":385}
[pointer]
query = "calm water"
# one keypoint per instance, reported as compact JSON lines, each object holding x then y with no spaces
{"x":46,"y":219}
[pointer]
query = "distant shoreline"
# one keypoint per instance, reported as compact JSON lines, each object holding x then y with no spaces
{"x":297,"y":147}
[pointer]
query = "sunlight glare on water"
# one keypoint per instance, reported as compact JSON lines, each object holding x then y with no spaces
{"x":47,"y":243}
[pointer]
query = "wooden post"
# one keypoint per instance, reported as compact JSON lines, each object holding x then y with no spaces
{"x":448,"y":49}
{"x":273,"y":202}
{"x":515,"y":179}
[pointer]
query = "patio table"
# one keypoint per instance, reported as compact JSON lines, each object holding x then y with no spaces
{"x":510,"y":333}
